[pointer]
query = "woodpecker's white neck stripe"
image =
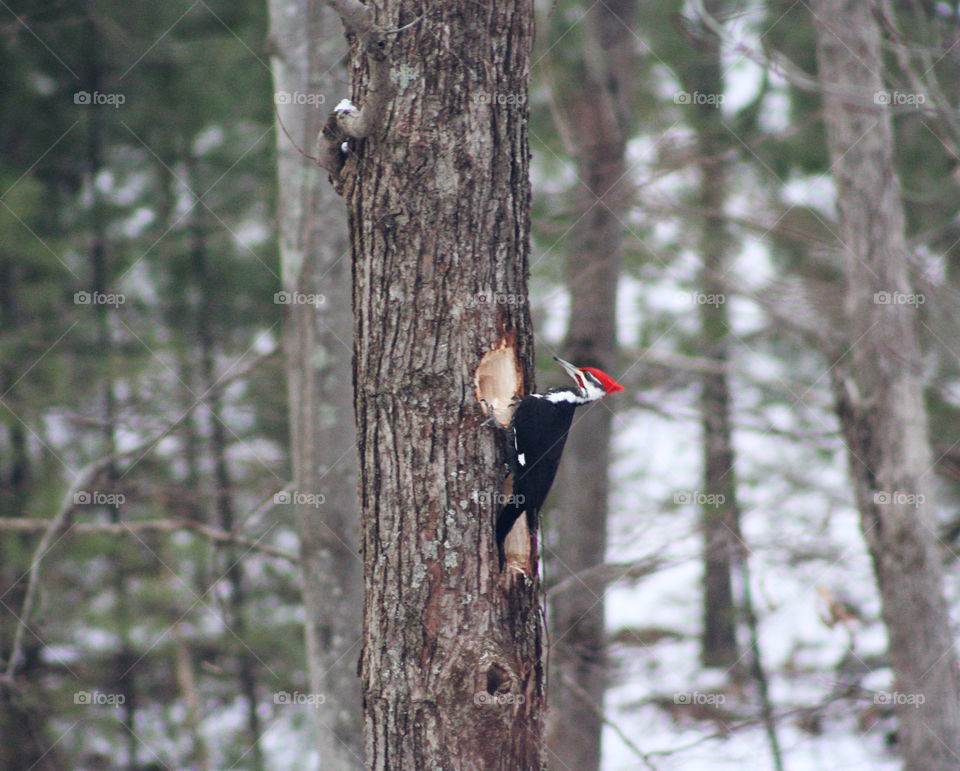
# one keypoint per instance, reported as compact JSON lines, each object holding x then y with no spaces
{"x":555,"y":397}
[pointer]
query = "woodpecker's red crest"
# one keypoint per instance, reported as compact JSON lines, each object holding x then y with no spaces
{"x":610,"y":385}
{"x":593,"y":384}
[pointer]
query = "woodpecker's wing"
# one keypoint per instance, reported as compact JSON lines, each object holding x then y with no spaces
{"x":540,"y":431}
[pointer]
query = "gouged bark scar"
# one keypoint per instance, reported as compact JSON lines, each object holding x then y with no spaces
{"x":516,"y":546}
{"x":498,"y":383}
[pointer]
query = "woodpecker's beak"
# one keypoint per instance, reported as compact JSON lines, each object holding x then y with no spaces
{"x":571,"y":370}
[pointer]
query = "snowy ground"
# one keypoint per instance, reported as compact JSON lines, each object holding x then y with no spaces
{"x":799,"y":541}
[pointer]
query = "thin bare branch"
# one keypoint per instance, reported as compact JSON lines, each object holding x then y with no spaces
{"x":136,"y":527}
{"x":598,"y":710}
{"x":599,"y":576}
{"x":782,"y":66}
{"x":59,"y":523}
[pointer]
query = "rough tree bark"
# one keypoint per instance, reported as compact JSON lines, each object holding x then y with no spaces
{"x":878,"y":388}
{"x":437,"y":190}
{"x":594,"y":117}
{"x":307,"y":51}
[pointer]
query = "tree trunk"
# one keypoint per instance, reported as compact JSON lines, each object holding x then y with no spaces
{"x":314,"y":252}
{"x":719,"y":518}
{"x":878,"y":389}
{"x":24,"y":742}
{"x":124,"y":682}
{"x":593,"y":113}
{"x":187,"y":683}
{"x":438,"y":200}
{"x":235,"y":620}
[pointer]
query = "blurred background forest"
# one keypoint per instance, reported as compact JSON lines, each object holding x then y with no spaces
{"x":151,"y":605}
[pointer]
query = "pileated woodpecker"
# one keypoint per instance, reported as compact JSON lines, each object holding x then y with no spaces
{"x":539,"y":427}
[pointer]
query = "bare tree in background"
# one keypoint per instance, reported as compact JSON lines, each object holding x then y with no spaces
{"x":878,"y":388}
{"x":314,"y":250}
{"x":593,"y":116}
{"x":719,"y":519}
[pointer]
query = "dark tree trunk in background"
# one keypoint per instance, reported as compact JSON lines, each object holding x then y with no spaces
{"x":724,"y":551}
{"x":719,"y":519}
{"x":595,"y":116}
{"x":307,"y":44}
{"x":235,"y":620}
{"x":878,"y":388}
{"x":438,"y":199}
{"x":124,"y":683}
{"x":23,"y":739}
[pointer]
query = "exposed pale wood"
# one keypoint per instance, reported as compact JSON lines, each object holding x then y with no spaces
{"x":498,"y":381}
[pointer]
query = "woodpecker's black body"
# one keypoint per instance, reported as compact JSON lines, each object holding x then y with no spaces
{"x":539,"y":431}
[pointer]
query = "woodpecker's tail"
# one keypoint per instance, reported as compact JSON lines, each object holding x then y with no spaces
{"x":509,"y":514}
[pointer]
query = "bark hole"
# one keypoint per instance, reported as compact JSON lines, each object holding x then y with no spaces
{"x":498,"y":679}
